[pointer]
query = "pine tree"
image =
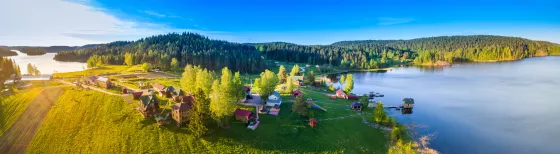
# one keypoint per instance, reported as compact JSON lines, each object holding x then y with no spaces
{"x":300,"y":106}
{"x":197,"y":114}
{"x":309,"y":78}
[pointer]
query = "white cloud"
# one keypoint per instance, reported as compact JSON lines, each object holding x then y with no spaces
{"x":386,"y":21}
{"x":58,"y":22}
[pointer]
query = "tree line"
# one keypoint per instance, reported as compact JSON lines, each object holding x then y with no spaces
{"x":7,"y":68}
{"x":5,"y":52}
{"x":195,"y":49}
{"x":33,"y":51}
{"x":185,"y":48}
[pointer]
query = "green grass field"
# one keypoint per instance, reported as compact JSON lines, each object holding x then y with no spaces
{"x":91,"y":122}
{"x":98,"y":71}
{"x":12,"y":106}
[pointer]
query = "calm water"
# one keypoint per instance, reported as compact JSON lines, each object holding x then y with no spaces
{"x":509,"y":107}
{"x":45,"y":63}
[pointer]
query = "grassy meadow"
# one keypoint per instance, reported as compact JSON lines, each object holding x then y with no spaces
{"x":12,"y":106}
{"x":99,"y":71}
{"x":86,"y":121}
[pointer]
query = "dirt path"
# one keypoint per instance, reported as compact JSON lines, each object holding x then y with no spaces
{"x":19,"y":135}
{"x":93,"y":88}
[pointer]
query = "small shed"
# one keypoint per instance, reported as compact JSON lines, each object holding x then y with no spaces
{"x":243,"y":115}
{"x":104,"y":82}
{"x":341,"y":94}
{"x":408,"y":103}
{"x":274,"y":99}
{"x":124,"y":91}
{"x":317,"y":84}
{"x":356,"y":106}
{"x":313,"y":122}
{"x":296,"y":93}
{"x":352,"y":97}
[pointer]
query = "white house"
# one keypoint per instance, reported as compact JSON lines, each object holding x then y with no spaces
{"x":274,"y":99}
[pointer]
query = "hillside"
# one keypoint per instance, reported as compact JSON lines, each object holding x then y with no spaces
{"x":189,"y":48}
{"x":185,"y":48}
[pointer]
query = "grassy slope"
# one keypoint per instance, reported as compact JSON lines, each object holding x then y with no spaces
{"x":92,"y":122}
{"x":98,"y":71}
{"x":12,"y":106}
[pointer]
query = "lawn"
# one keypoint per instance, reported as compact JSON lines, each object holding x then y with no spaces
{"x":12,"y":106}
{"x":85,"y":121}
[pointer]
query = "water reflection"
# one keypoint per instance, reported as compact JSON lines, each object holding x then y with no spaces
{"x":45,"y":63}
{"x":508,"y":107}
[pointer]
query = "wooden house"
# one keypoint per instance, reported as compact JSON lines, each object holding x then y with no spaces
{"x":341,"y":94}
{"x":408,"y":103}
{"x":297,"y":80}
{"x":161,"y":89}
{"x":274,"y":99}
{"x":243,"y":115}
{"x":149,"y":106}
{"x":104,"y":82}
{"x":180,"y":110}
{"x":92,"y":80}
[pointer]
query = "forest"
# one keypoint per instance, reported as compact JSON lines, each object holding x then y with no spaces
{"x":7,"y":68}
{"x":160,"y":50}
{"x":5,"y":52}
{"x":195,"y":49}
{"x":33,"y":51}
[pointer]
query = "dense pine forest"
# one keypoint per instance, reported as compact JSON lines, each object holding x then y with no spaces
{"x":4,"y":52}
{"x":190,"y":48}
{"x":7,"y":68}
{"x":33,"y":51}
{"x":161,"y":50}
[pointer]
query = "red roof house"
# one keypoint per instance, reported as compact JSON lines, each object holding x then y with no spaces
{"x":243,"y":115}
{"x":341,"y":94}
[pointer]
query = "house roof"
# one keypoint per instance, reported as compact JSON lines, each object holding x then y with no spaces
{"x":146,"y":99}
{"x":176,"y":91}
{"x":103,"y":79}
{"x":297,"y":92}
{"x":91,"y":78}
{"x":340,"y":92}
{"x":141,"y":93}
{"x":241,"y":112}
{"x":277,"y":96}
{"x":408,"y":101}
{"x":187,"y":102}
{"x":158,"y":86}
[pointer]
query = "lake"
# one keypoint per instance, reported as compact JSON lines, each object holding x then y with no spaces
{"x":45,"y":63}
{"x":506,"y":107}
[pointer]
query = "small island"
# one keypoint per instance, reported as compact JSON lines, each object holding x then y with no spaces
{"x":5,"y":52}
{"x":33,"y":51}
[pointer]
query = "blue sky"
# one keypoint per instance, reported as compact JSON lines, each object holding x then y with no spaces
{"x":300,"y":21}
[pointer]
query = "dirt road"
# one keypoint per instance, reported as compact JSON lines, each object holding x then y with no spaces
{"x":19,"y":135}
